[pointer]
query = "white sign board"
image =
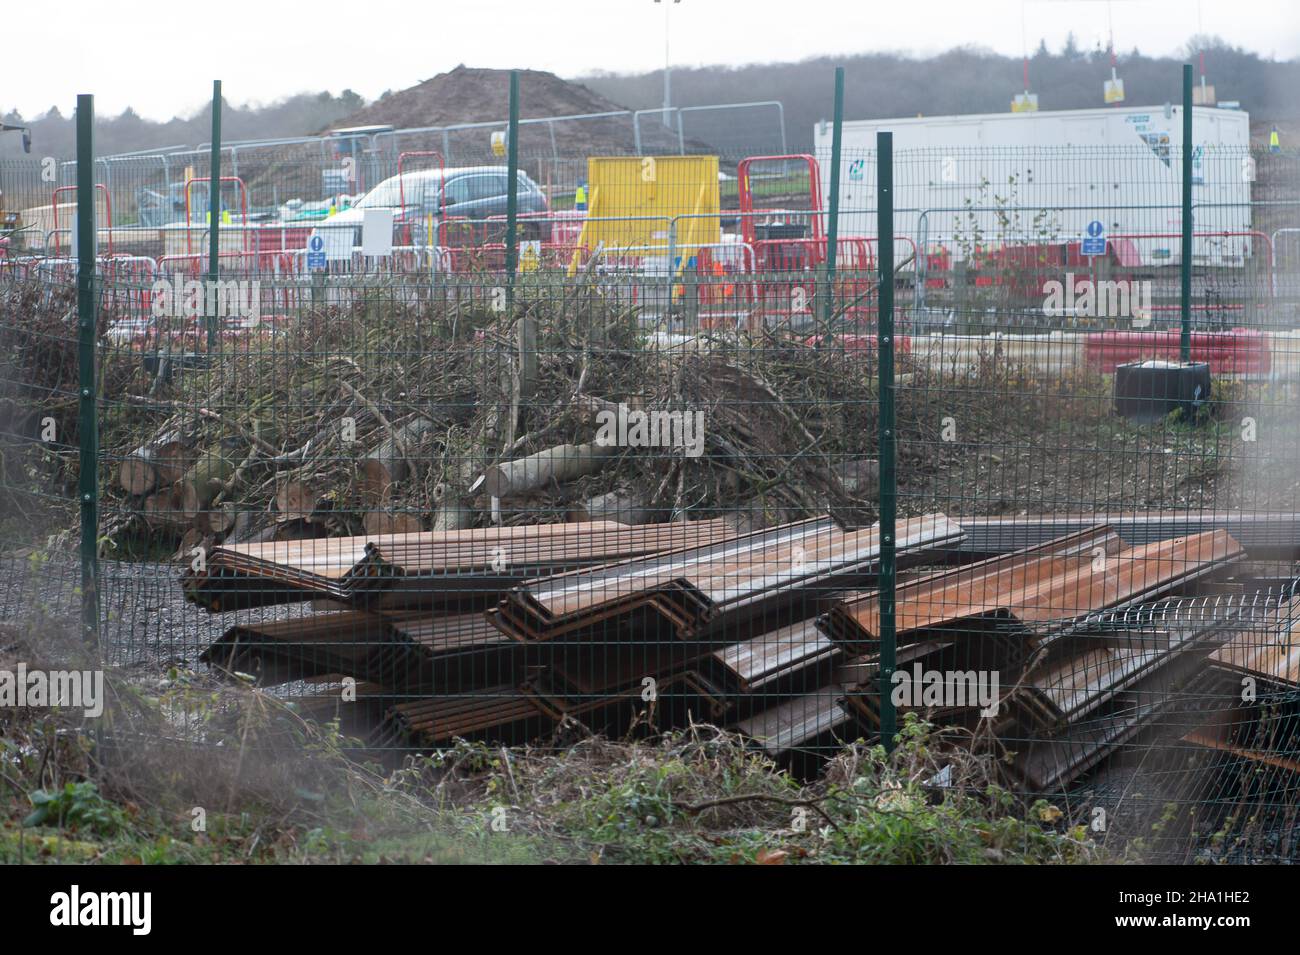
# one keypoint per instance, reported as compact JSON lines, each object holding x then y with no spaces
{"x":336,"y":243}
{"x":377,"y":232}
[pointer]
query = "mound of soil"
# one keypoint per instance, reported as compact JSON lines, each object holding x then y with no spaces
{"x":469,"y":95}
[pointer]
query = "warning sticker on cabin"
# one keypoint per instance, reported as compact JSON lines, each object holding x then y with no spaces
{"x":1157,"y":140}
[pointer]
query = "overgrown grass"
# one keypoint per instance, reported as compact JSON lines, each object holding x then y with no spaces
{"x":181,"y":770}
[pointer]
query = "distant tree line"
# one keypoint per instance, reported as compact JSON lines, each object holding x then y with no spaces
{"x":54,"y":134}
{"x":963,"y":80}
{"x":966,"y":80}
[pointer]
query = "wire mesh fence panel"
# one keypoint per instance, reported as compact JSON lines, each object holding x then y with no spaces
{"x":1115,"y":497}
{"x":40,"y":430}
{"x":624,"y":474}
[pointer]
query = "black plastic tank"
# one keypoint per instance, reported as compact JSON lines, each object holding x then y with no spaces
{"x":1146,"y":391}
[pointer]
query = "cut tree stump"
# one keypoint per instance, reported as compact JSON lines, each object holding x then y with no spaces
{"x":383,"y":523}
{"x":386,"y":463}
{"x":859,"y":477}
{"x":159,"y":462}
{"x":217,"y":520}
{"x":165,"y":509}
{"x":295,"y":500}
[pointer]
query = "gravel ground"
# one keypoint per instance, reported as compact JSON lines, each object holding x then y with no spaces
{"x":146,"y":620}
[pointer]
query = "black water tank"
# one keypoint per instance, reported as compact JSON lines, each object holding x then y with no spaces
{"x":780,"y":230}
{"x":1146,"y":391}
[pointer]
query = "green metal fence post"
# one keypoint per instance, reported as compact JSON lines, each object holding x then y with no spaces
{"x":1185,"y":270}
{"x":512,"y":197}
{"x":214,"y":218}
{"x":833,"y":212}
{"x":888,"y":477}
{"x":527,"y":331}
{"x":87,"y":423}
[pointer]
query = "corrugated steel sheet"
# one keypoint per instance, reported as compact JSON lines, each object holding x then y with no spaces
{"x":1069,"y":688}
{"x":676,"y":700}
{"x":777,"y":659}
{"x":980,"y":590}
{"x":1264,"y":536}
{"x":1041,"y":587}
{"x":441,"y":565}
{"x":324,"y":643}
{"x":802,"y":723}
{"x":691,"y":591}
{"x":407,"y":652}
{"x":505,"y":713}
{"x":986,"y":645}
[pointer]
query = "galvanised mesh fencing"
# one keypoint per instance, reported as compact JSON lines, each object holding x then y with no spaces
{"x":621,"y":470}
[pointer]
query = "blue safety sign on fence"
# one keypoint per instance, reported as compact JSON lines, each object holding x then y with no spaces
{"x":315,"y":254}
{"x":1095,"y":242}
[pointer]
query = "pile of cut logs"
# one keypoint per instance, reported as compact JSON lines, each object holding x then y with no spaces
{"x":198,"y":493}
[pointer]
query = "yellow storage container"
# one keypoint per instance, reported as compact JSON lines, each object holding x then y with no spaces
{"x":632,"y":201}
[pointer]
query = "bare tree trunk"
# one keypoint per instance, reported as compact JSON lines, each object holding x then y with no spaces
{"x":559,"y":464}
{"x":217,"y":520}
{"x":454,"y":513}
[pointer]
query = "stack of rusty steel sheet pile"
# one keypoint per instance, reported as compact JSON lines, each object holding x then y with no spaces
{"x":660,"y":609}
{"x":503,"y":634}
{"x":427,"y":639}
{"x":405,"y":651}
{"x":1129,"y":669}
{"x":665,"y":622}
{"x":1059,"y":652}
{"x":692,"y":593}
{"x":1250,"y":695}
{"x":391,"y":570}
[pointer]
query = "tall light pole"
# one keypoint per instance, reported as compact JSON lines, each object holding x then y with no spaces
{"x":668,"y":82}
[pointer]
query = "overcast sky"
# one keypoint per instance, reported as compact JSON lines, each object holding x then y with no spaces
{"x":156,"y":57}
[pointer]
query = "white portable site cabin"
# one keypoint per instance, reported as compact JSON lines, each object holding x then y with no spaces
{"x":1043,"y":177}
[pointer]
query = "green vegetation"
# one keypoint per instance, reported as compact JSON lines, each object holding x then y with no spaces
{"x":256,"y":783}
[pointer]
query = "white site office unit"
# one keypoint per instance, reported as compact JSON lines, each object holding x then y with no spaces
{"x":1044,"y":176}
